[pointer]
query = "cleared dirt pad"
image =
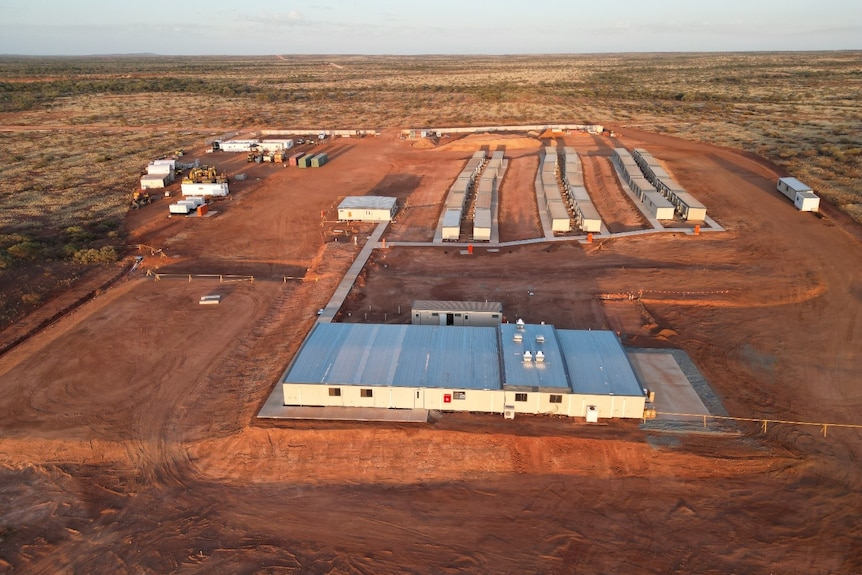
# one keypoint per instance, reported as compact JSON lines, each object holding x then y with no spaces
{"x":130,"y":444}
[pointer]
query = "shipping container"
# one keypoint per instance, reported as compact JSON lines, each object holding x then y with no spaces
{"x":179,"y":209}
{"x":483,"y":201}
{"x":319,"y":160}
{"x":294,"y":159}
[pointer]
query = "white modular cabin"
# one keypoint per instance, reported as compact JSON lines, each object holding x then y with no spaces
{"x":587,"y":217}
{"x":482,"y":225}
{"x":367,"y":208}
{"x":237,"y":145}
{"x":689,"y":207}
{"x":560,"y":221}
{"x":807,"y":202}
{"x":205,"y":189}
{"x":789,"y":187}
{"x":434,"y":312}
{"x":658,"y":206}
{"x":153,"y":181}
{"x":451,"y":231}
{"x":269,"y":146}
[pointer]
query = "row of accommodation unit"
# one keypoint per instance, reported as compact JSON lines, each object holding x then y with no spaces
{"x":459,"y":193}
{"x":586,"y":216}
{"x":486,"y":188}
{"x":686,"y":205}
{"x":554,"y":206}
{"x":656,"y":204}
{"x":160,"y":173}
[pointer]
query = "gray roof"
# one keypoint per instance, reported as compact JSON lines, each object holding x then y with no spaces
{"x":795,"y":185}
{"x":551,"y":373}
{"x":459,"y":306}
{"x":457,"y":357}
{"x":367,"y":203}
{"x":597,"y":363}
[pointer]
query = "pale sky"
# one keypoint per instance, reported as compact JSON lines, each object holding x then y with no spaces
{"x":406,"y":27}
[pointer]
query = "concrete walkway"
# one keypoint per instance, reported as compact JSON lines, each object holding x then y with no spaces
{"x":328,"y":313}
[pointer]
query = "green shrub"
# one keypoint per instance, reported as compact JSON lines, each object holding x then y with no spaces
{"x":105,"y":255}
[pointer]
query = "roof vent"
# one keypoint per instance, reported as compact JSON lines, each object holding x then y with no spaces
{"x":518,"y":337}
{"x":519,"y":324}
{"x":528,"y":356}
{"x":540,"y":338}
{"x":540,"y":357}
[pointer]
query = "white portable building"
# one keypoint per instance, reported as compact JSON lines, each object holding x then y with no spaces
{"x":560,"y":221}
{"x":275,"y":145}
{"x":205,"y":189}
{"x":451,"y":231}
{"x":482,"y":225}
{"x":367,"y":208}
{"x":163,"y":167}
{"x":153,"y":181}
{"x":789,"y":187}
{"x":473,"y":313}
{"x":807,"y":202}
{"x":658,"y":206}
{"x":587,"y":217}
{"x":238,"y":145}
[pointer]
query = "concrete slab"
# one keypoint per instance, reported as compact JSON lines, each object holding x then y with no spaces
{"x":673,"y":391}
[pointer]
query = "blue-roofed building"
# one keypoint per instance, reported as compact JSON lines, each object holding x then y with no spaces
{"x":511,"y":368}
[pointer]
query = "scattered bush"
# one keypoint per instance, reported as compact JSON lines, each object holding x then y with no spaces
{"x":105,"y":255}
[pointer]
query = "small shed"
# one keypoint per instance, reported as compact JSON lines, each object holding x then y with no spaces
{"x":472,"y":313}
{"x":367,"y":208}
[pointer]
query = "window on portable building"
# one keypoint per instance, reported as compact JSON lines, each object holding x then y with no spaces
{"x":366,"y":393}
{"x":556,"y":399}
{"x":520,"y":397}
{"x":334,"y":392}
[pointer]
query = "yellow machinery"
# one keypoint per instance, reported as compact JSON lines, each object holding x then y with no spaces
{"x":140,"y":198}
{"x":205,"y":175}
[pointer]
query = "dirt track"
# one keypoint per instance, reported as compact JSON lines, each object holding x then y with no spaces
{"x":129,"y":443}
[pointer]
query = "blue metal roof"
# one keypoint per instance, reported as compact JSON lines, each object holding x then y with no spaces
{"x":464,"y":357}
{"x":597,"y":363}
{"x":459,"y":357}
{"x":550,"y":373}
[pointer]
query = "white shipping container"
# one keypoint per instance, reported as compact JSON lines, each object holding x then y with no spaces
{"x":179,"y":208}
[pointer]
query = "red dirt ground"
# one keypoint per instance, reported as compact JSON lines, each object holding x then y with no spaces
{"x":130,"y":444}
